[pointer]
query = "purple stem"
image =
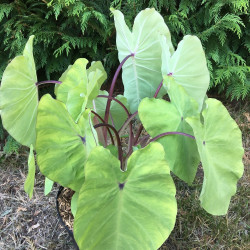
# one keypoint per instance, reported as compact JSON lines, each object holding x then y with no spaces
{"x":131,"y":135}
{"x":143,"y":140}
{"x":131,"y":117}
{"x":114,"y":99}
{"x":106,"y":117}
{"x":138,"y":134}
{"x":158,"y":89}
{"x":49,"y":81}
{"x":119,"y":145}
{"x":111,"y":137}
{"x":171,"y":133}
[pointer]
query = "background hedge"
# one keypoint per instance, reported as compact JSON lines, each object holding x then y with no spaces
{"x":68,"y":29}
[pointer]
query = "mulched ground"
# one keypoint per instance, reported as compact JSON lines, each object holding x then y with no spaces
{"x":24,"y":223}
{"x":33,"y":224}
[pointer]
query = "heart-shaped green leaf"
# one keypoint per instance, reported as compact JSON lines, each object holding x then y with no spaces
{"x":187,"y":66}
{"x":61,"y":149}
{"x":80,"y":86}
{"x":19,"y":97}
{"x":61,"y":79}
{"x":159,"y":116}
{"x":96,"y":77}
{"x":220,"y":146}
{"x":71,"y":90}
{"x":30,"y":180}
{"x":135,"y":209}
{"x":142,"y":72}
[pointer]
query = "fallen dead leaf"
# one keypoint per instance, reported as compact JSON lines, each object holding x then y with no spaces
{"x":247,"y":115}
{"x":36,"y":212}
{"x":247,"y":125}
{"x":23,"y":209}
{"x":34,"y":227}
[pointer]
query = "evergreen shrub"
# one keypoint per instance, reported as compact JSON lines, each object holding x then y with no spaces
{"x":69,"y":29}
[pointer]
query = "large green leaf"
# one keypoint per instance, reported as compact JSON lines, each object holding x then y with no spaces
{"x":135,"y":209}
{"x":187,"y":66}
{"x":220,"y":146}
{"x":97,"y":76}
{"x":73,"y":87}
{"x":30,"y":180}
{"x":61,"y":79}
{"x":80,"y":86}
{"x":19,"y":97}
{"x":142,"y":72}
{"x":159,"y":116}
{"x":117,"y":114}
{"x":91,"y":138}
{"x":61,"y":149}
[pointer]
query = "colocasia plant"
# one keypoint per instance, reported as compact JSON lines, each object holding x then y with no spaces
{"x":125,"y":198}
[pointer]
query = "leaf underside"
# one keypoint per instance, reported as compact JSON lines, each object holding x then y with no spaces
{"x":19,"y":97}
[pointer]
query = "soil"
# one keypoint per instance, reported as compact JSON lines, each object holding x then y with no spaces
{"x":64,"y":202}
{"x":28,"y":224}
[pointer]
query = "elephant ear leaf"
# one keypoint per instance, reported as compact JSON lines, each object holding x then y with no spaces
{"x":159,"y":116}
{"x":80,"y":86}
{"x":73,"y":88}
{"x":220,"y":147}
{"x":19,"y":97}
{"x":61,"y":143}
{"x":97,"y":76}
{"x":95,"y":80}
{"x":187,"y":67}
{"x":142,"y":72}
{"x":61,"y":79}
{"x":135,"y":209}
{"x":30,"y":180}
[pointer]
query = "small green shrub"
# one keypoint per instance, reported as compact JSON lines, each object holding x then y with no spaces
{"x":8,"y":145}
{"x":11,"y":146}
{"x":64,"y":31}
{"x":1,"y":131}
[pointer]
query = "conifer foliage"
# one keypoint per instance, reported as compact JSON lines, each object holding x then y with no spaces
{"x":64,"y":30}
{"x":68,"y":29}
